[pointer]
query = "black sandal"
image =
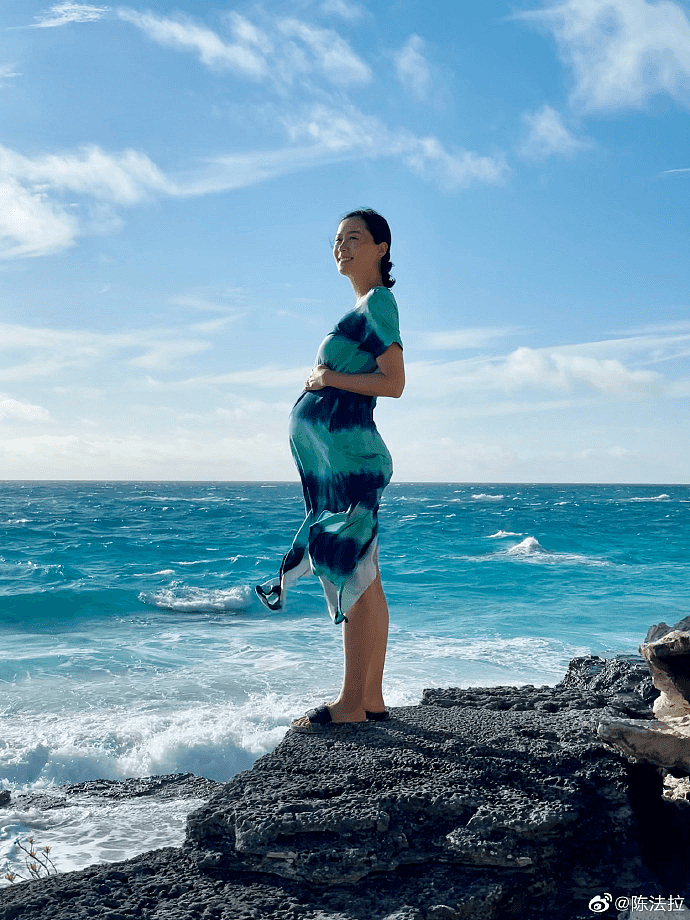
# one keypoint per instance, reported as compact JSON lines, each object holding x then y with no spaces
{"x":377,"y":716}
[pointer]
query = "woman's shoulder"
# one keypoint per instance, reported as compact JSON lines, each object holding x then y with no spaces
{"x":379,"y":293}
{"x":378,"y":298}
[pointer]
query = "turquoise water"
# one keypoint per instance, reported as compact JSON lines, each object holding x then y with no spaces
{"x":131,"y":643}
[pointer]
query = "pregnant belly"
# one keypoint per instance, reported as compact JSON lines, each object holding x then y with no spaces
{"x":332,"y":410}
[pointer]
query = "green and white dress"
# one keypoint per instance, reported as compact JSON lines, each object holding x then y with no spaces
{"x":343,"y":464}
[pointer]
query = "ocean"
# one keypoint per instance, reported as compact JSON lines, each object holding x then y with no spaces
{"x":131,"y":643}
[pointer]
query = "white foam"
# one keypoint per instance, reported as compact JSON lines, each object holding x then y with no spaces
{"x":212,"y":740}
{"x":530,"y":550}
{"x":153,"y":574}
{"x":94,"y":830}
{"x":484,"y":497}
{"x":189,"y":599}
{"x":528,"y":547}
{"x":650,"y":498}
{"x":500,"y":534}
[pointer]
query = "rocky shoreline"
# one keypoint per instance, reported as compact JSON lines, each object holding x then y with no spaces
{"x":479,"y":803}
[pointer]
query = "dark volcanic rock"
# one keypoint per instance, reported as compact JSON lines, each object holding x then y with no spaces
{"x":482,"y":803}
{"x":614,"y":687}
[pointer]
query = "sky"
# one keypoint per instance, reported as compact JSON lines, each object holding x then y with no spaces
{"x":172,"y":176}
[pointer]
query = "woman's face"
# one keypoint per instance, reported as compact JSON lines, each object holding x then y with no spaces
{"x":355,"y":251}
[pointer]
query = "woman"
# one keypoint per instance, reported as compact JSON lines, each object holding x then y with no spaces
{"x":344,"y":466}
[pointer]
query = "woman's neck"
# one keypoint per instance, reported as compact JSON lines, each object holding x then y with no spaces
{"x":362,"y":286}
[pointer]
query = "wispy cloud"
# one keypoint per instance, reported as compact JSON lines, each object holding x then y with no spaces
{"x":413,"y":68}
{"x":18,"y":409}
{"x":332,"y":55}
{"x":268,"y":377}
{"x":184,"y":34}
{"x":533,"y":370}
{"x":124,"y":178}
{"x":547,"y":135}
{"x":281,"y":52}
{"x":629,"y":368}
{"x":7,"y":72}
{"x":45,"y":352}
{"x":41,"y":215}
{"x":622,"y":52}
{"x":348,"y":133}
{"x":61,"y":14}
{"x":676,"y":172}
{"x":31,"y":224}
{"x":459,"y":339}
{"x":161,"y":355}
{"x":346,"y":9}
{"x":36,"y":219}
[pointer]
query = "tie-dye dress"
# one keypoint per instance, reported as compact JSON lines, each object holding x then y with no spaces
{"x":343,"y":464}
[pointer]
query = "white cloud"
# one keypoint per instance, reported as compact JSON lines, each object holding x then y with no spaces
{"x":61,"y":14}
{"x":565,"y":369}
{"x":451,"y":169}
{"x":292,"y":48}
{"x":124,"y":178}
{"x":162,"y":354}
{"x":11,"y":408}
{"x":332,"y":54}
{"x":347,"y":10}
{"x":349,"y":133}
{"x":31,"y":224}
{"x":413,"y":69}
{"x":548,"y":135}
{"x":164,"y":456}
{"x":622,"y":52}
{"x":49,"y":351}
{"x":184,"y":34}
{"x":7,"y":72}
{"x":527,"y":366}
{"x":477,"y":337}
{"x":35,"y":219}
{"x":265,"y":377}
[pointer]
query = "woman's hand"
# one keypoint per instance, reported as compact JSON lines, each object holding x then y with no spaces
{"x":317,"y":378}
{"x":388,"y":380}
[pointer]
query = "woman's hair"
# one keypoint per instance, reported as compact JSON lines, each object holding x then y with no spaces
{"x":381,"y":233}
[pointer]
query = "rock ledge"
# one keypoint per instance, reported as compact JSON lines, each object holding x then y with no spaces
{"x":481,"y":803}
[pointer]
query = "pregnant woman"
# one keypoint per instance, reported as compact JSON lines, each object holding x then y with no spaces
{"x":345,"y":466}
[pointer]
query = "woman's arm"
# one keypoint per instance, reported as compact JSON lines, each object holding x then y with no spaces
{"x":388,"y":380}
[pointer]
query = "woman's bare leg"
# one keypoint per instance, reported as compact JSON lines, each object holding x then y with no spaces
{"x":365,"y":637}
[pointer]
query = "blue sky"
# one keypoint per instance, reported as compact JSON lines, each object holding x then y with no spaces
{"x":171,"y":176}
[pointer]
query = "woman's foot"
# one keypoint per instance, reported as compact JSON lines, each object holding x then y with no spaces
{"x":325,"y":716}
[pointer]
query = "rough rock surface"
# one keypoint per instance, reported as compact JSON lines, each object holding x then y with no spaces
{"x":664,"y":741}
{"x":667,"y":650}
{"x":481,"y":803}
{"x":161,"y":788}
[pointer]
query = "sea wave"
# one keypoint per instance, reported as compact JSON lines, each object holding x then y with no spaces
{"x":531,"y":550}
{"x":48,"y":606}
{"x":650,"y":498}
{"x":529,"y":547}
{"x":190,"y":599}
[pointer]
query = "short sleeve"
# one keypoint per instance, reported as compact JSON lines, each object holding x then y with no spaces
{"x":382,"y":325}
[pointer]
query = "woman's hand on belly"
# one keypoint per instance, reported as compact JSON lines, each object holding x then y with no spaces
{"x":316,"y":379}
{"x":388,"y":380}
